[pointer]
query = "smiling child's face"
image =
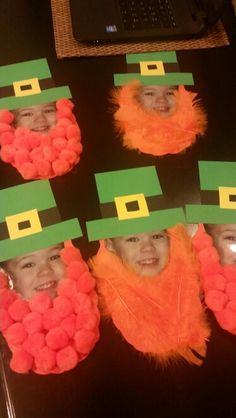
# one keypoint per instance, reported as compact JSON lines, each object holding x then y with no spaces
{"x":36,"y":272}
{"x":146,"y":254}
{"x":39,"y":118}
{"x":224,"y":238}
{"x":162,"y":99}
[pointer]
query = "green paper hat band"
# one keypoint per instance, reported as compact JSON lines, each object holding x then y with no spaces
{"x":128,"y":213}
{"x":29,"y":220}
{"x":218,"y":194}
{"x":28,"y":83}
{"x":157,"y":68}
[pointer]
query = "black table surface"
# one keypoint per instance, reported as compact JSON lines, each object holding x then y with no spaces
{"x":115,"y":380}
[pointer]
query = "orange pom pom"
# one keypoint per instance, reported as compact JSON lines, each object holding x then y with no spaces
{"x":216,"y":300}
{"x":66,"y":358}
{"x":40,"y":302}
{"x":68,"y":324}
{"x":62,"y":306}
{"x":16,"y":333}
{"x":34,"y":343}
{"x":21,"y":361}
{"x":45,"y":361}
{"x":51,"y":319}
{"x":84,"y":339}
{"x":18,"y":309}
{"x":57,"y":338}
{"x":5,"y":319}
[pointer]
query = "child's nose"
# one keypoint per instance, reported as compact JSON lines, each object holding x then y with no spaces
{"x":147,"y":245}
{"x":161,"y":98}
{"x":39,"y":116}
{"x":45,"y":268}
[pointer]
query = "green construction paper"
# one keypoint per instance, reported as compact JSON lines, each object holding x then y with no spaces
{"x":126,"y":182}
{"x":33,"y":195}
{"x":23,"y":71}
{"x":45,"y":96}
{"x":166,"y":56}
{"x":50,"y":235}
{"x":209,"y":214}
{"x":167,"y":79}
{"x":112,"y":227}
{"x":217,"y":173}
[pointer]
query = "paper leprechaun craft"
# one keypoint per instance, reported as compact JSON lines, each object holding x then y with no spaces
{"x":48,"y":305}
{"x":147,"y":278}
{"x":155,"y":114}
{"x":39,"y":134}
{"x":215,"y":240}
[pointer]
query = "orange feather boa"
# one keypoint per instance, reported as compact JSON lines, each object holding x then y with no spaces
{"x":161,"y":316}
{"x":148,"y":132}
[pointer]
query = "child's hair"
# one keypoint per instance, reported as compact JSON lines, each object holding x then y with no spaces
{"x":208,"y":228}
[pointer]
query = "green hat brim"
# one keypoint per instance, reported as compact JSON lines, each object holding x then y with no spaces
{"x":167,"y":79}
{"x":211,"y":214}
{"x":113,"y":227}
{"x":49,"y":236}
{"x":45,"y":96}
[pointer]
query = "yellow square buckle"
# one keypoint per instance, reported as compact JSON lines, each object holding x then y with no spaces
{"x":23,"y":224}
{"x":152,"y":68}
{"x":224,"y":197}
{"x":26,"y":87}
{"x":123,"y":212}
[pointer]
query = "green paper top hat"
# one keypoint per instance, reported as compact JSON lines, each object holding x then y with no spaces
{"x":28,"y":83}
{"x":218,"y":194}
{"x":153,"y":68}
{"x":30,"y":221}
{"x":131,"y":202}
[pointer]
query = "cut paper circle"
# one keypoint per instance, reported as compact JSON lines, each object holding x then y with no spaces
{"x":159,"y":315}
{"x":42,"y":156}
{"x":218,"y":281}
{"x":52,"y":335}
{"x":146,"y":131}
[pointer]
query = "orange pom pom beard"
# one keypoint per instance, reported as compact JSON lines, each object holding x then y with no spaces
{"x":49,"y":335}
{"x":38,"y":156}
{"x":148,"y":132}
{"x":161,"y":316}
{"x":218,"y":282}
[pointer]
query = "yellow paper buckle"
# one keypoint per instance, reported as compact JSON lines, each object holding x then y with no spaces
{"x":152,"y":68}
{"x":31,"y":87}
{"x":224,"y":200}
{"x":30,"y":217}
{"x":122,"y":211}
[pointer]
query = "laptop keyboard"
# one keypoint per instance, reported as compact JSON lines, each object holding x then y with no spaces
{"x":144,"y":14}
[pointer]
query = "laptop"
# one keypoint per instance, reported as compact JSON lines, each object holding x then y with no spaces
{"x":142,"y":20}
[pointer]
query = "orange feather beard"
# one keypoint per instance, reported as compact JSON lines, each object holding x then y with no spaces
{"x":161,"y":316}
{"x":148,"y":132}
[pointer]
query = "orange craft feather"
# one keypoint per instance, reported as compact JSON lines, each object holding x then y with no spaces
{"x":161,"y":316}
{"x":148,"y":132}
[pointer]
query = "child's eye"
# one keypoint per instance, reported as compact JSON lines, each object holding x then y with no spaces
{"x":170,"y":93}
{"x":50,"y":110}
{"x":158,"y":236}
{"x":148,"y":93}
{"x":55,"y":256}
{"x":26,"y":115}
{"x":230,"y":238}
{"x":132,"y":239}
{"x":27,"y":265}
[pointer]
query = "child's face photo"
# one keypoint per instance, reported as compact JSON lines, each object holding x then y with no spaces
{"x":162,"y":99}
{"x":146,"y":254}
{"x":224,"y":238}
{"x":39,"y":118}
{"x":36,"y":272}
